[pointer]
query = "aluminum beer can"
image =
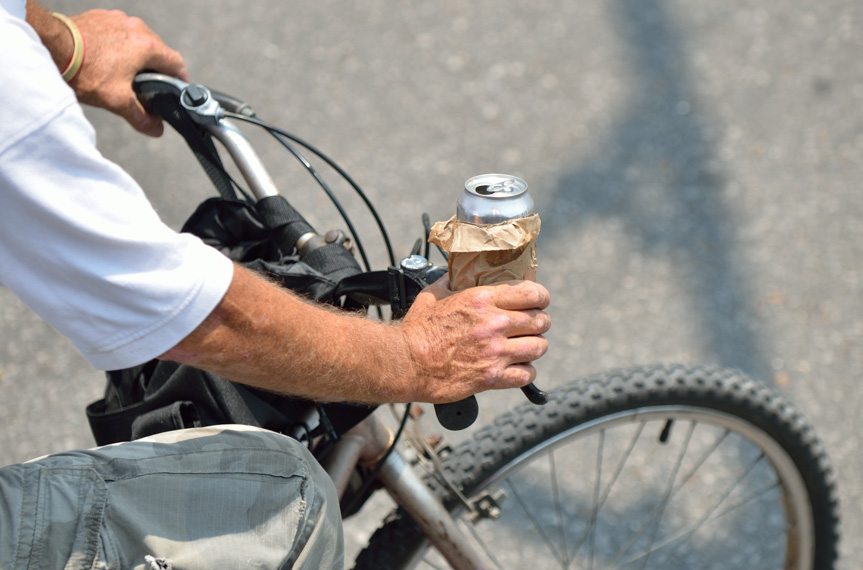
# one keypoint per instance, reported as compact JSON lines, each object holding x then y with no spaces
{"x":494,"y":198}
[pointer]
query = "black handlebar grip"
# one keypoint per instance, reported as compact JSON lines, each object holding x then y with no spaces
{"x":278,"y":214}
{"x":148,"y":86}
{"x":459,"y":415}
{"x":535,"y":395}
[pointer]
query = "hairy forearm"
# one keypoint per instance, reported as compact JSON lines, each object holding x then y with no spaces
{"x":268,"y":337}
{"x":53,"y":33}
{"x":448,"y":346}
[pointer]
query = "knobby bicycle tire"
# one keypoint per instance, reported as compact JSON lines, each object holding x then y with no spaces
{"x":714,"y":413}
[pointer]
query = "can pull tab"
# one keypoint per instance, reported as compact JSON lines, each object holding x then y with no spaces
{"x":505,"y":186}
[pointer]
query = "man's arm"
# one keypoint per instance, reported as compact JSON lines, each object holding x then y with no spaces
{"x":117,"y":48}
{"x":447,"y":347}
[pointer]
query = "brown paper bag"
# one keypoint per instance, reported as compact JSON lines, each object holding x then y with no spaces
{"x":482,"y":255}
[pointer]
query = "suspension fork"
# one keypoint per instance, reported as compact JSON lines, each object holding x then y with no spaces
{"x":367,"y":444}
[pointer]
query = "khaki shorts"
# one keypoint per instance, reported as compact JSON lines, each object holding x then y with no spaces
{"x":219,"y":497}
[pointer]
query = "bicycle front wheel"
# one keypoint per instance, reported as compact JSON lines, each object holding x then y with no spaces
{"x":660,"y":467}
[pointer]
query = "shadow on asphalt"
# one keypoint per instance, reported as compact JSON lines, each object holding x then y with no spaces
{"x":660,"y":175}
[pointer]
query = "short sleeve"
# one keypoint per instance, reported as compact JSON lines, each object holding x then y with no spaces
{"x":80,"y":244}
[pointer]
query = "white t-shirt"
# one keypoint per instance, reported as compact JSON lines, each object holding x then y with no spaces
{"x":80,"y":243}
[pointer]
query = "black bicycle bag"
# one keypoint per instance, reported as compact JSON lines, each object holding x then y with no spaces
{"x":162,"y":396}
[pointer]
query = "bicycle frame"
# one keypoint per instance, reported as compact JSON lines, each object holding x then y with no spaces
{"x":366,"y":444}
{"x":369,"y":443}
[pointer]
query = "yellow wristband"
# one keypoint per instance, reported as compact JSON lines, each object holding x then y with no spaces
{"x":77,"y":47}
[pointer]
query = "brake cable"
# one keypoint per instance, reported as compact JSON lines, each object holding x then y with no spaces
{"x":280,"y":135}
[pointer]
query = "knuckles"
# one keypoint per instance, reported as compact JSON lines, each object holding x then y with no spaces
{"x":491,"y":376}
{"x":543,"y":322}
{"x":539,"y":296}
{"x":478,"y":298}
{"x":540,"y":349}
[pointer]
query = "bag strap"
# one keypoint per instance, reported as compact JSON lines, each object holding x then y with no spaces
{"x":201,"y":143}
{"x":288,"y":225}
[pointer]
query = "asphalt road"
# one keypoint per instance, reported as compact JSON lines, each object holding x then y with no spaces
{"x":697,"y":166}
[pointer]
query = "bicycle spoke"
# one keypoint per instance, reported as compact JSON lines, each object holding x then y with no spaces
{"x":482,"y":544}
{"x":665,"y":434}
{"x":704,"y":457}
{"x":687,"y":534}
{"x":596,"y":485}
{"x":676,"y":481}
{"x":559,"y":510}
{"x":616,"y":474}
{"x":535,"y":522}
{"x":753,"y":497}
{"x":667,"y":495}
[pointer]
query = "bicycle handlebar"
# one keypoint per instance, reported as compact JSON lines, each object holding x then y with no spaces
{"x":147,"y":85}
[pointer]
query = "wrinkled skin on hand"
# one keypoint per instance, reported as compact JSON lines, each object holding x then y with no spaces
{"x":117,"y":48}
{"x":479,"y":339}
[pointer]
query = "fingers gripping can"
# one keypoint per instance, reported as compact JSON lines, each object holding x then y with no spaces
{"x":494,"y":198}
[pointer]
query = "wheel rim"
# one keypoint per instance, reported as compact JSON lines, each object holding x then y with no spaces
{"x":714,"y":498}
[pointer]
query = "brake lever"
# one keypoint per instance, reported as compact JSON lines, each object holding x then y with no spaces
{"x":534,"y":394}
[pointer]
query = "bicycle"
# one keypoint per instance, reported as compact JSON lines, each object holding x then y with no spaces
{"x":666,"y":466}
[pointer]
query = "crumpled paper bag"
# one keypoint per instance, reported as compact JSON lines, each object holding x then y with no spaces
{"x":486,"y":254}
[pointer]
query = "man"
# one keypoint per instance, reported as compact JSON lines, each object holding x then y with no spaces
{"x":80,"y":244}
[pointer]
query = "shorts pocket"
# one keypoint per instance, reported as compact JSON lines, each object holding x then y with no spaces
{"x":66,"y":511}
